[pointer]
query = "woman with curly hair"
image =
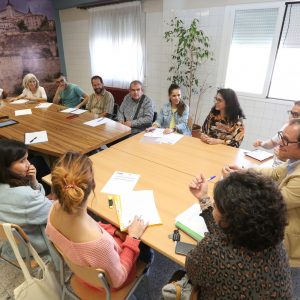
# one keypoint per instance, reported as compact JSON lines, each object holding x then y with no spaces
{"x":224,"y":124}
{"x":32,"y":89}
{"x":242,"y":256}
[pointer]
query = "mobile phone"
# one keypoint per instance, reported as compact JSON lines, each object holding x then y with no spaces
{"x":7,"y":123}
{"x":183,"y":248}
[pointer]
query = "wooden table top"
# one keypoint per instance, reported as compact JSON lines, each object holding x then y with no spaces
{"x":170,"y":189}
{"x":63,"y":134}
{"x":189,"y":155}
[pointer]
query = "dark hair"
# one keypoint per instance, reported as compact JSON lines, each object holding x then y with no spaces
{"x":181,"y":105}
{"x":296,"y":122}
{"x":72,"y":180}
{"x":97,"y":77}
{"x":253,"y":212}
{"x":233,"y":109}
{"x":59,"y":74}
{"x":10,"y":152}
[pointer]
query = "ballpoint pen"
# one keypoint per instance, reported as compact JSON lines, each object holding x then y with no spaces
{"x":33,"y":139}
{"x":211,"y":178}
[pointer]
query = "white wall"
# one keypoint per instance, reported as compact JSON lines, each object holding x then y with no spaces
{"x":264,"y":117}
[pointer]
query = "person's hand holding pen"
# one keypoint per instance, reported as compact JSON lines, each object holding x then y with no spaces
{"x":137,"y":228}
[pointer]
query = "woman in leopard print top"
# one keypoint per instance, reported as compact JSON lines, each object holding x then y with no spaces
{"x":242,"y":256}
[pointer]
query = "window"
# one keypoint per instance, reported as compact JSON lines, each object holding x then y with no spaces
{"x":115,"y":43}
{"x":286,"y":74}
{"x":264,"y":51}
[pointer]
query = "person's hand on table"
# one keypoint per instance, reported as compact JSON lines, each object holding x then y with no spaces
{"x":229,"y":169}
{"x":137,"y":228}
{"x":169,"y":130}
{"x":127,"y":123}
{"x":257,"y":143}
{"x":150,"y":129}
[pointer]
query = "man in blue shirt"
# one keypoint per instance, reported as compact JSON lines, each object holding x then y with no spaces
{"x":69,"y":94}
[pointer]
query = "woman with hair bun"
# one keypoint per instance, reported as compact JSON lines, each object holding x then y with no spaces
{"x":79,"y":237}
{"x":32,"y":89}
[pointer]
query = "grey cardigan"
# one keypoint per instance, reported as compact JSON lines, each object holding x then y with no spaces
{"x":28,"y":208}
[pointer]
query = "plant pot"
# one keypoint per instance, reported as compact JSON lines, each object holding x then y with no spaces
{"x":196,"y":131}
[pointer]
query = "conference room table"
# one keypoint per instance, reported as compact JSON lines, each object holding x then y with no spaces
{"x":189,"y":155}
{"x":64,"y":133}
{"x":168,"y":182}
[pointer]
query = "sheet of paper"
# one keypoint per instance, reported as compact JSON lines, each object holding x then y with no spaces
{"x":138,"y":203}
{"x":23,"y":112}
{"x":156,"y":133}
{"x":19,"y":101}
{"x":171,"y":138}
{"x":36,"y":137}
{"x":72,"y":110}
{"x":43,"y":105}
{"x":96,"y":122}
{"x":120,"y":182}
{"x":259,"y":154}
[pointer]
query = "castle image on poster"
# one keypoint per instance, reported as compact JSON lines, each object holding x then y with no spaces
{"x":27,"y":44}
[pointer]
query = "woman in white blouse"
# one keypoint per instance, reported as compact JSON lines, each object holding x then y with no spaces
{"x":32,"y":89}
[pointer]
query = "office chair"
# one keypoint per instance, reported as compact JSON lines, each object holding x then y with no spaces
{"x":97,"y":278}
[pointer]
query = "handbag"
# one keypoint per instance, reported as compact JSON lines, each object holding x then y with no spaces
{"x":33,"y":288}
{"x":178,"y":290}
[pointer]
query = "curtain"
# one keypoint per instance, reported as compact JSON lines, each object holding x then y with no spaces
{"x":116,"y":43}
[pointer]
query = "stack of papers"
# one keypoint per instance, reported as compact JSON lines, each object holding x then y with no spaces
{"x":23,"y":112}
{"x":137,"y":203}
{"x":191,"y":222}
{"x":36,"y":137}
{"x":20,"y":101}
{"x":96,"y":122}
{"x":259,"y":154}
{"x":43,"y":105}
{"x":159,"y":137}
{"x":72,"y":110}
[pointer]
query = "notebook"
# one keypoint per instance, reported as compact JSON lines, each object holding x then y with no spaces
{"x":136,"y":203}
{"x":191,"y":222}
{"x":259,"y":154}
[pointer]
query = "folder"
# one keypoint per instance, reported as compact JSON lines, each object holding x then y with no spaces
{"x":191,"y":222}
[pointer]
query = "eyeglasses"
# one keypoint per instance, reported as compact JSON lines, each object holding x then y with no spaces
{"x":293,"y":114}
{"x":284,"y":140}
{"x":217,"y":99}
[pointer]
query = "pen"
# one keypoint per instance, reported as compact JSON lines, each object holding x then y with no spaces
{"x":99,"y":119}
{"x":73,"y":110}
{"x":211,"y":178}
{"x":33,"y":139}
{"x":3,"y":117}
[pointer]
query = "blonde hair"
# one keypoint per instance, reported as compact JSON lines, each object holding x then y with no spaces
{"x":29,"y":77}
{"x":72,"y":180}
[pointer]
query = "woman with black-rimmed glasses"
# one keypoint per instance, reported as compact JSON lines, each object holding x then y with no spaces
{"x":224,"y":124}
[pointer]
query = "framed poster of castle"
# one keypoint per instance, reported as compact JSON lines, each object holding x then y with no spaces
{"x":28,"y":44}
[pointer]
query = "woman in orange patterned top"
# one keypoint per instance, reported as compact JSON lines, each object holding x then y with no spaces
{"x":224,"y":124}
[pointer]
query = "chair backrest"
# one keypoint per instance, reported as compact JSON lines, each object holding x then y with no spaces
{"x":87,"y":274}
{"x":154,"y":117}
{"x":19,"y":234}
{"x":190,"y":123}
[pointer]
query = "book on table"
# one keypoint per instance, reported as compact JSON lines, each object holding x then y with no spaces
{"x":191,"y":222}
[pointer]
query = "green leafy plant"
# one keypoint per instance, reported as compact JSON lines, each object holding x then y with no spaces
{"x":191,"y":48}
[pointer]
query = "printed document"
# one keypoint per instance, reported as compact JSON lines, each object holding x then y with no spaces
{"x":259,"y":154}
{"x":96,"y":122}
{"x":44,"y":105}
{"x":72,"y":110}
{"x":19,"y":101}
{"x":120,"y":182}
{"x":23,"y":112}
{"x":36,"y":137}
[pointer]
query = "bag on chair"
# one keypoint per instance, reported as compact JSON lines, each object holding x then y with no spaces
{"x":33,"y":288}
{"x":178,"y":289}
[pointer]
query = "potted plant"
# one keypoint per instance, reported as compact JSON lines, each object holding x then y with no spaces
{"x":191,"y":48}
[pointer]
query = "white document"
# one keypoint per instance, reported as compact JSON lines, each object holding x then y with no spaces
{"x":120,"y":182}
{"x":19,"y":101}
{"x":138,"y":203}
{"x":171,"y":138}
{"x":72,"y":110}
{"x":156,"y":133}
{"x":23,"y":112}
{"x":96,"y":122}
{"x":259,"y":154}
{"x":43,"y":105}
{"x":36,"y":137}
